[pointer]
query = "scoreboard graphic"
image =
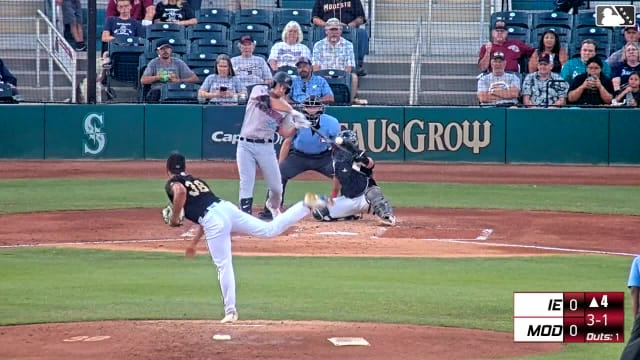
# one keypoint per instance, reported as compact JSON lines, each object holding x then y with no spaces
{"x":569,"y":317}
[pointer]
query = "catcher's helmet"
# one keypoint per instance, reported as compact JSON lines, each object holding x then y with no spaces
{"x":312,"y":108}
{"x":176,"y":163}
{"x":283,"y":78}
{"x":348,"y":137}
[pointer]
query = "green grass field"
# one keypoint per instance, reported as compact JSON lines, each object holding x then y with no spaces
{"x":65,"y":285}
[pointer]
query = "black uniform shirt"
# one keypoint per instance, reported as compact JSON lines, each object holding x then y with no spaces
{"x":199,"y":195}
{"x":353,"y":182}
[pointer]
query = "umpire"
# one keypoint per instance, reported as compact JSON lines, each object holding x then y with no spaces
{"x":308,"y":148}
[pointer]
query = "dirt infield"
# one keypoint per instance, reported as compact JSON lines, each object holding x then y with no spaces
{"x":420,"y":233}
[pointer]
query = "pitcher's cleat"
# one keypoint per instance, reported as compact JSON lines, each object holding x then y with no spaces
{"x":229,"y":318}
{"x":388,"y":220}
{"x":314,"y":201}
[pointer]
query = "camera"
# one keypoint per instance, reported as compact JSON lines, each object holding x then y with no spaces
{"x":223,"y":88}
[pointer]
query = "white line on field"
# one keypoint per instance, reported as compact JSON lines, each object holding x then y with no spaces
{"x":484,"y":235}
{"x":552,"y":248}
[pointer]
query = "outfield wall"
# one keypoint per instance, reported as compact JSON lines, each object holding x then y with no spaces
{"x":484,"y":135}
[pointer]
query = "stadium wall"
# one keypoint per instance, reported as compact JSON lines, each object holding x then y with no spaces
{"x":482,"y":135}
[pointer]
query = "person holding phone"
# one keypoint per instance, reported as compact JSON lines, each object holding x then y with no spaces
{"x":223,"y":86}
{"x":591,"y":87}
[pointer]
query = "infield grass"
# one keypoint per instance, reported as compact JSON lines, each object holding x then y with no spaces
{"x":77,"y":194}
{"x":65,"y":285}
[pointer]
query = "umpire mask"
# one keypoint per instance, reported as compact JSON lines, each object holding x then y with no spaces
{"x":312,"y":108}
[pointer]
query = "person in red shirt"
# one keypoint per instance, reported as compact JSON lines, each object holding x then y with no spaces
{"x":513,"y":49}
{"x":141,"y":10}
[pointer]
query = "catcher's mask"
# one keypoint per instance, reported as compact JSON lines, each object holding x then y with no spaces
{"x":176,"y":163}
{"x":312,"y":108}
{"x":284,"y":79}
{"x":349,"y":138}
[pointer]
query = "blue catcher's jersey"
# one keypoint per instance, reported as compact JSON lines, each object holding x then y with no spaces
{"x":308,"y":142}
{"x":199,"y":195}
{"x":354,"y":178}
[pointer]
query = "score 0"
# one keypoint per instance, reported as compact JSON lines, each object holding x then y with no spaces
{"x":573,"y":317}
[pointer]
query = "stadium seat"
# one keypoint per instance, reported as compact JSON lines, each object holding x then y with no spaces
{"x":215,"y":16}
{"x":301,"y":16}
{"x":340,"y":83}
{"x":291,"y":70}
{"x":207,"y":31}
{"x":253,"y":16}
{"x":555,"y":19}
{"x":564,"y":35}
{"x":584,"y":19}
{"x":124,"y":54}
{"x":180,"y":93}
{"x":516,"y":18}
{"x":164,"y":30}
{"x":257,"y":32}
{"x":202,"y":59}
{"x":519,"y":33}
{"x":213,"y":46}
{"x":601,"y":35}
{"x":7,"y":94}
{"x":202,"y":72}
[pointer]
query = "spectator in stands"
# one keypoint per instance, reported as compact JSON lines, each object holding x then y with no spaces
{"x":335,"y":52}
{"x":498,"y":88}
{"x":630,"y":95}
{"x":251,"y":69}
{"x":6,"y":77}
{"x":349,"y":13}
{"x":591,"y":87}
{"x":164,"y":69}
{"x":577,"y":66}
{"x":72,"y":16}
{"x":175,"y":12}
{"x":287,"y":51}
{"x":223,"y":86}
{"x":544,"y":87}
{"x":307,"y":84}
{"x":119,"y":26}
{"x":631,"y":35}
{"x":630,"y":63}
{"x":141,"y":10}
{"x":513,"y":50}
{"x":549,"y":45}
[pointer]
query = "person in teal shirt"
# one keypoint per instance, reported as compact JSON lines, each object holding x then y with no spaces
{"x":577,"y":66}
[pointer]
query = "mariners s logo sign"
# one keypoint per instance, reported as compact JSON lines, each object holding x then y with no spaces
{"x":95,"y":137}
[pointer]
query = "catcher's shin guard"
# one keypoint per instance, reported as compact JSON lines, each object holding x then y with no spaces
{"x":380,"y":205}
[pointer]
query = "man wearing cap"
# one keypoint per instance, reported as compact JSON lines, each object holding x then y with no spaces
{"x":165,"y":69}
{"x":544,"y":87}
{"x":250,"y":69}
{"x":498,"y":88}
{"x":307,"y":84}
{"x":513,"y":50}
{"x":631,"y":35}
{"x":349,"y":13}
{"x":335,"y":52}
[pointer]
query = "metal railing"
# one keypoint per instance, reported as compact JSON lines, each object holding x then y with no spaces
{"x":58,"y":51}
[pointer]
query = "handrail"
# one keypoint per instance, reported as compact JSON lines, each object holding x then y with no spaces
{"x":372,"y":23}
{"x":60,"y":52}
{"x":416,"y":66}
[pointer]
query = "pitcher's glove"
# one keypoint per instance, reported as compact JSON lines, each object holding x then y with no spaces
{"x":167,"y":214}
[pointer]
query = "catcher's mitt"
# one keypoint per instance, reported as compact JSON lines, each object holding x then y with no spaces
{"x":167,"y":214}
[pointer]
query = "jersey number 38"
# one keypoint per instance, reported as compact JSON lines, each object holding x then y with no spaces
{"x":196,"y":187}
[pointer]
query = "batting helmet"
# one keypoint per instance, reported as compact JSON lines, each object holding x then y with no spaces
{"x":284,"y":79}
{"x":176,"y":163}
{"x":312,"y":108}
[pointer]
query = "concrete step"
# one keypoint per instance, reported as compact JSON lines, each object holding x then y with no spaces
{"x":21,"y":25}
{"x":426,"y":98}
{"x":427,"y":83}
{"x":454,"y":12}
{"x":29,"y":78}
{"x":41,"y":94}
{"x":14,"y":9}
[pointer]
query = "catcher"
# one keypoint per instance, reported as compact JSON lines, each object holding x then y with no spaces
{"x":217,"y":218}
{"x":353,"y":177}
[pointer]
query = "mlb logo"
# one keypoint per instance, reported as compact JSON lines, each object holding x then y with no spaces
{"x":615,"y":15}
